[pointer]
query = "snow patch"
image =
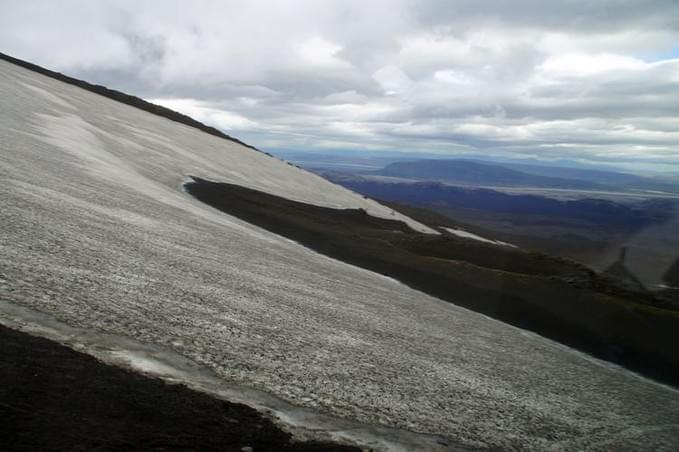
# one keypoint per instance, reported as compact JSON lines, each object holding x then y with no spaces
{"x":468,"y":235}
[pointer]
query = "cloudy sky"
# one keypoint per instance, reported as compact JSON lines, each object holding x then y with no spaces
{"x":595,"y":81}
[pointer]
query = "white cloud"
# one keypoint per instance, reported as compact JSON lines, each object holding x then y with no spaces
{"x":392,"y":80}
{"x":203,"y":112}
{"x":582,"y":64}
{"x":321,"y":53}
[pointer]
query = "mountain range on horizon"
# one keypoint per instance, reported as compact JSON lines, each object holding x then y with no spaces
{"x":476,"y":173}
{"x":489,"y":171}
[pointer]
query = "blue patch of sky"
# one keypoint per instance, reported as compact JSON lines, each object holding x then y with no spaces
{"x":671,"y":54}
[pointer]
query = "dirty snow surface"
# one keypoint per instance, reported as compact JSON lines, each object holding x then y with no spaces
{"x":97,"y":233}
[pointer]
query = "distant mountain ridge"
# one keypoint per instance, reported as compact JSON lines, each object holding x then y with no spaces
{"x":477,"y":173}
{"x":606,"y":177}
{"x":516,"y":174}
{"x":599,"y":211}
{"x":585,"y":174}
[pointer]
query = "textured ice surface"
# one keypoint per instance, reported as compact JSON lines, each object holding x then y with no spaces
{"x":468,"y":235}
{"x":97,"y":232}
{"x":161,"y":362}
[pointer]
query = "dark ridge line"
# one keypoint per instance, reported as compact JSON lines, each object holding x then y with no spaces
{"x":128,"y":99}
{"x":671,"y":276}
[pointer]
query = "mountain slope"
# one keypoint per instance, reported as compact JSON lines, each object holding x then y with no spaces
{"x":98,"y":233}
{"x":124,"y":98}
{"x":672,"y":275}
{"x":604,"y":316}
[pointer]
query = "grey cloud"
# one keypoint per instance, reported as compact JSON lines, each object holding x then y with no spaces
{"x":525,"y":77}
{"x":569,"y":15}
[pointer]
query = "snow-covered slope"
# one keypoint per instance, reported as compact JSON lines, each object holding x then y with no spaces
{"x":468,"y":235}
{"x":97,"y":232}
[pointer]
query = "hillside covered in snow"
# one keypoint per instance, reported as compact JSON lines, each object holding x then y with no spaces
{"x":99,"y":235}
